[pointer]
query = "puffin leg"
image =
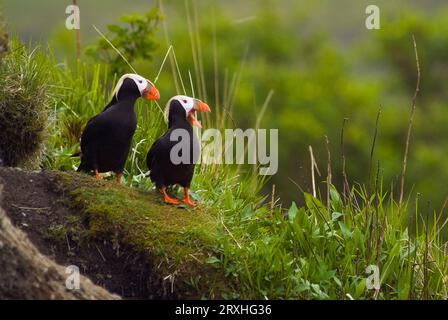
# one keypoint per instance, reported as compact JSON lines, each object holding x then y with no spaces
{"x":187,"y":199}
{"x":97,"y":175}
{"x":119,"y":176}
{"x":169,"y":199}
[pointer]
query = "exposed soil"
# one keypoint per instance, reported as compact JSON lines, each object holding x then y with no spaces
{"x":27,"y":274}
{"x":32,"y":203}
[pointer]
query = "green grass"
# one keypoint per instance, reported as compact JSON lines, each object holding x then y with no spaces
{"x":320,"y":252}
{"x":24,"y":105}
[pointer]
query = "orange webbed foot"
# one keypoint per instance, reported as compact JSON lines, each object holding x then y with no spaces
{"x":187,"y":199}
{"x":98,"y":176}
{"x":172,"y":201}
{"x":168,"y":199}
{"x":190,"y":202}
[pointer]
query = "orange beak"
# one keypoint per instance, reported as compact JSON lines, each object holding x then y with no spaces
{"x":201,"y":107}
{"x":151,"y":93}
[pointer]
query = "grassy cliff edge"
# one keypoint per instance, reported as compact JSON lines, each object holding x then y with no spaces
{"x":178,"y":241}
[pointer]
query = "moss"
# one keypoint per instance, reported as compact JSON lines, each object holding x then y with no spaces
{"x":73,"y":229}
{"x":56,"y":232}
{"x":177,"y":240}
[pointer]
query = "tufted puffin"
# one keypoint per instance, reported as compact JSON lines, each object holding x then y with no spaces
{"x":164,"y":169}
{"x":106,"y":139}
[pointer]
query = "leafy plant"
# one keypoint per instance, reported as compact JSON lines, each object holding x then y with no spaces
{"x":322,"y":252}
{"x":135,"y":40}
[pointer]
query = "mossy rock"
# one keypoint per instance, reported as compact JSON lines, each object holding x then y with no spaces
{"x":178,"y":241}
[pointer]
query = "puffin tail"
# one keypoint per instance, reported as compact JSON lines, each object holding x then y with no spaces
{"x":82,"y":168}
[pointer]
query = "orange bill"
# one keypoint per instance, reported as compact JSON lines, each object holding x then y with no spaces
{"x":193,"y":120}
{"x":198,"y":106}
{"x":202,"y":107}
{"x":151,"y":93}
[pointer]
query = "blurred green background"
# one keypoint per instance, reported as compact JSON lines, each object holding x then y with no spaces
{"x":320,"y":60}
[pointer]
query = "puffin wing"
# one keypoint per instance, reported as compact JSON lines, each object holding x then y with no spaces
{"x":111,"y":103}
{"x":155,"y":149}
{"x":160,"y":150}
{"x":90,"y":131}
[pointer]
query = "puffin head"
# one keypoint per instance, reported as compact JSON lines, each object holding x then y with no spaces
{"x":186,"y":107}
{"x":132,"y":84}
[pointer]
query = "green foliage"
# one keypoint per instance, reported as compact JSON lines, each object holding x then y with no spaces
{"x":313,"y":87}
{"x":24,"y":105}
{"x":319,"y":79}
{"x":135,"y":41}
{"x":428,"y":165}
{"x":323,"y":67}
{"x":322,"y":252}
{"x":430,"y":33}
{"x":315,"y":250}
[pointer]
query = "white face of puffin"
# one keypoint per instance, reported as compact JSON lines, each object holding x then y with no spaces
{"x":146,"y":88}
{"x":186,"y":102}
{"x":191,"y":105}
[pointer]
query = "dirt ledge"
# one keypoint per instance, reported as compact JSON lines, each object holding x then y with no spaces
{"x":27,"y":274}
{"x":123,"y":239}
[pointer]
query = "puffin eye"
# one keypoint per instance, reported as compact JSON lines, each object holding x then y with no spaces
{"x":184,"y":101}
{"x":140,"y":81}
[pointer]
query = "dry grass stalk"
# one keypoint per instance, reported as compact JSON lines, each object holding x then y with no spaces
{"x":411,"y":121}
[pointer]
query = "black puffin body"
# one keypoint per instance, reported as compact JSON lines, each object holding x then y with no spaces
{"x":165,"y":171}
{"x":107,"y":137}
